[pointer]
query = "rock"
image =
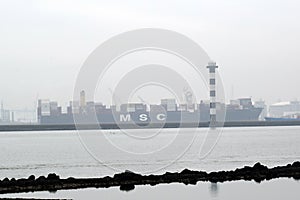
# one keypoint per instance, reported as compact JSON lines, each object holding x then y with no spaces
{"x":296,"y":177}
{"x":52,"y":177}
{"x":127,"y":187}
{"x":5,"y":180}
{"x":71,"y":179}
{"x":153,"y":184}
{"x":186,"y":171}
{"x":127,"y":176}
{"x":259,"y":167}
{"x":41,"y":179}
{"x":296,"y":164}
{"x":31,"y":178}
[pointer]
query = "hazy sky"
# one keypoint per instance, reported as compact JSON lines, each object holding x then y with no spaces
{"x":44,"y":43}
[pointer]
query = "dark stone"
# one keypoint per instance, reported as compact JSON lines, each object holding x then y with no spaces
{"x":31,"y":178}
{"x":296,"y":177}
{"x":257,"y":179}
{"x":187,"y":171}
{"x":153,"y":184}
{"x":5,"y":180}
{"x":127,"y":176}
{"x":296,"y":164}
{"x":52,"y":177}
{"x":41,"y":179}
{"x":193,"y":181}
{"x":259,"y":167}
{"x":127,"y":187}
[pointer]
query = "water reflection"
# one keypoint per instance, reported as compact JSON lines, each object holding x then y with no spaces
{"x":127,"y":188}
{"x":214,"y":190}
{"x":276,"y":190}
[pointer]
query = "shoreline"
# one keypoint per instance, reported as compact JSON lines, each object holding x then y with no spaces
{"x":127,"y":180}
{"x":61,"y":127}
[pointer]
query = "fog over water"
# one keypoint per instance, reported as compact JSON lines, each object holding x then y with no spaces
{"x":44,"y":43}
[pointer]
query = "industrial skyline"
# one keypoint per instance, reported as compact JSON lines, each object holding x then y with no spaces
{"x":29,"y":115}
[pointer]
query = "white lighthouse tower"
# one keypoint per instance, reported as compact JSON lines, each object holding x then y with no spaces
{"x":212,"y":93}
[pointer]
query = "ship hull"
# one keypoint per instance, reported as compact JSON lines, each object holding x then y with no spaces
{"x":281,"y":119}
{"x":152,"y":117}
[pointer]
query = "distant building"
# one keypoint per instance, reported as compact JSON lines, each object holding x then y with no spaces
{"x":12,"y":117}
{"x":45,"y":107}
{"x":74,"y":107}
{"x":82,"y":99}
{"x":54,"y":108}
{"x":282,"y":109}
{"x":4,"y":115}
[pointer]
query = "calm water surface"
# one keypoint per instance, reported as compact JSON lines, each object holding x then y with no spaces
{"x":97,"y":154}
{"x":39,"y":153}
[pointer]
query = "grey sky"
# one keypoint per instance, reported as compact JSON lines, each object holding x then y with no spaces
{"x":43,"y":43}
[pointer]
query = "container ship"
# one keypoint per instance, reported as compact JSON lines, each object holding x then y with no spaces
{"x":168,"y":111}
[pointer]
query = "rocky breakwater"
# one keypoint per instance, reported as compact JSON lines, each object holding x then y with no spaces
{"x":127,"y":180}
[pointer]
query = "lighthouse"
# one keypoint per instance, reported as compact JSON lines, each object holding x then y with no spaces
{"x":212,"y":93}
